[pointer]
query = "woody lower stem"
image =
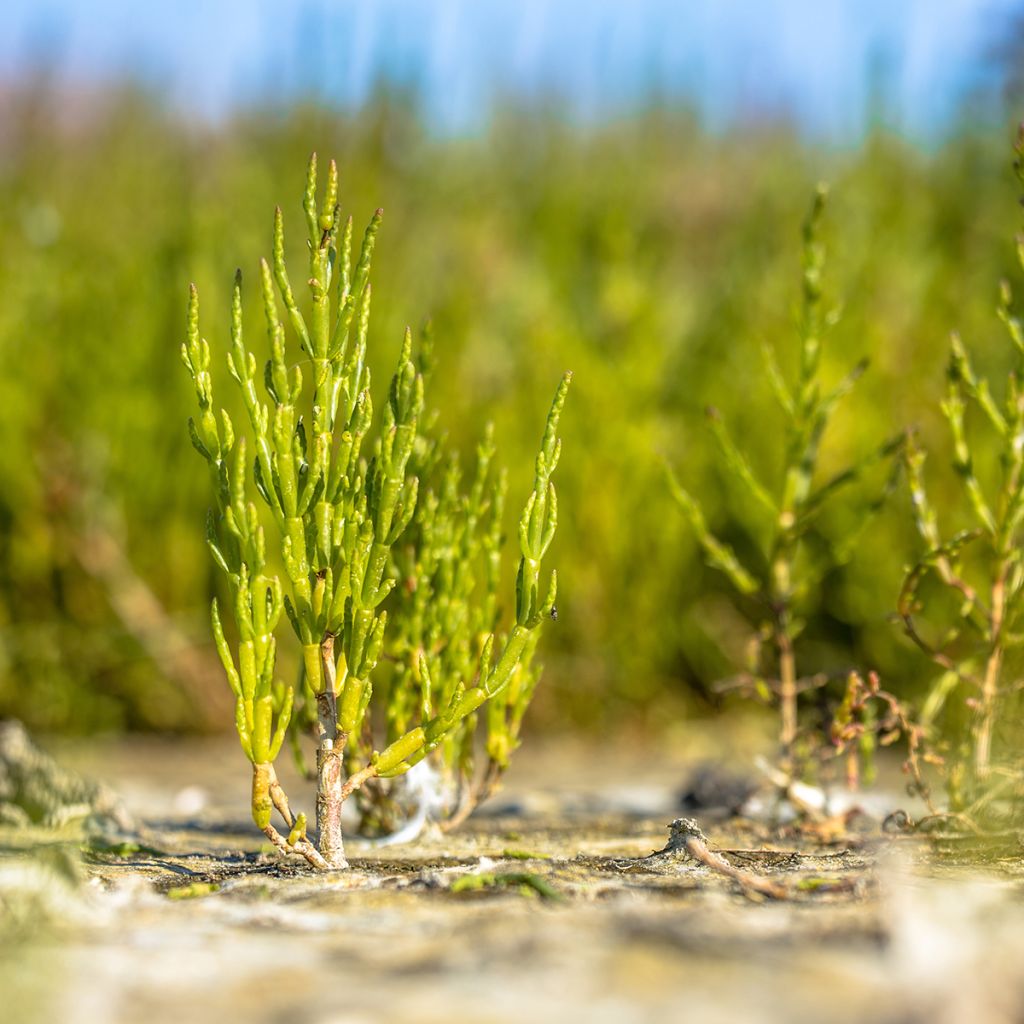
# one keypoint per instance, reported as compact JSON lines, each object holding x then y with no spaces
{"x":329,"y":766}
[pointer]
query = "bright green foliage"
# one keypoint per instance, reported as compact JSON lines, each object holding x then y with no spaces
{"x":525,"y":882}
{"x":236,"y":538}
{"x":785,"y":574}
{"x":343,"y":506}
{"x":449,"y":616}
{"x":450,"y":570}
{"x":194,"y":890}
{"x":980,"y":568}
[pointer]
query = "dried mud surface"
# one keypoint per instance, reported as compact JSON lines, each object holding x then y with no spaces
{"x":548,"y":907}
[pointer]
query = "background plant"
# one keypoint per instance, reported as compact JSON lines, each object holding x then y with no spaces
{"x":787,"y":567}
{"x":339,"y":502}
{"x":868,"y":718}
{"x":970,"y":583}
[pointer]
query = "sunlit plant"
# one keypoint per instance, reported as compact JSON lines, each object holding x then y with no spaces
{"x":789,"y":507}
{"x":980,"y":567}
{"x":392,"y":593}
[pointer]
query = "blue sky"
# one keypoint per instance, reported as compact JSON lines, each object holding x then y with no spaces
{"x":730,"y":57}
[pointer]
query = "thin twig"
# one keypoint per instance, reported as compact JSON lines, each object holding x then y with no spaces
{"x":302,"y":848}
{"x":686,"y":836}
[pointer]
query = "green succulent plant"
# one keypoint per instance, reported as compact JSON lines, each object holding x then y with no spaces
{"x":390,"y":587}
{"x":980,"y":567}
{"x":783,"y":574}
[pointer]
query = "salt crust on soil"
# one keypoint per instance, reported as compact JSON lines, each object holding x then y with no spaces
{"x":879,"y":928}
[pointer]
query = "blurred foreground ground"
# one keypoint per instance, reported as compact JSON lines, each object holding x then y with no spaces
{"x":882,"y":929}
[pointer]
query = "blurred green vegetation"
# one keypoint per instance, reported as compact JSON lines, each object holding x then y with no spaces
{"x":651,"y":257}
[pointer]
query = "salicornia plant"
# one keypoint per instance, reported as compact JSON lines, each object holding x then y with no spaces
{"x":348,"y":523}
{"x":449,"y":570}
{"x":981,"y":566}
{"x":790,"y":508}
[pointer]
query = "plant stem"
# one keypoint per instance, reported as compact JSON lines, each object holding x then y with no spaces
{"x":782,"y":585}
{"x":990,"y":684}
{"x":329,"y":766}
{"x":787,"y":695}
{"x":476,"y":795}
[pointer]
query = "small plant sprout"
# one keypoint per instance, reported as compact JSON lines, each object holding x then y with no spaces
{"x":869,"y":717}
{"x":979,"y":567}
{"x":791,"y":507}
{"x":420,"y":660}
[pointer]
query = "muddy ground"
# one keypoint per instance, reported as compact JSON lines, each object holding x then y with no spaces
{"x":547,"y":907}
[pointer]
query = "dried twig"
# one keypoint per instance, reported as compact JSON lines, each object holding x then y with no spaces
{"x":687,"y":839}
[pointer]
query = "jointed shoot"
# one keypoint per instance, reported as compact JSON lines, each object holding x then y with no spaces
{"x":347,"y":523}
{"x":791,"y":507}
{"x":980,"y":567}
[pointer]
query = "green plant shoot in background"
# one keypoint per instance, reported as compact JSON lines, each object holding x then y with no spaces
{"x":340,"y":519}
{"x":786,"y":573}
{"x":981,"y":566}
